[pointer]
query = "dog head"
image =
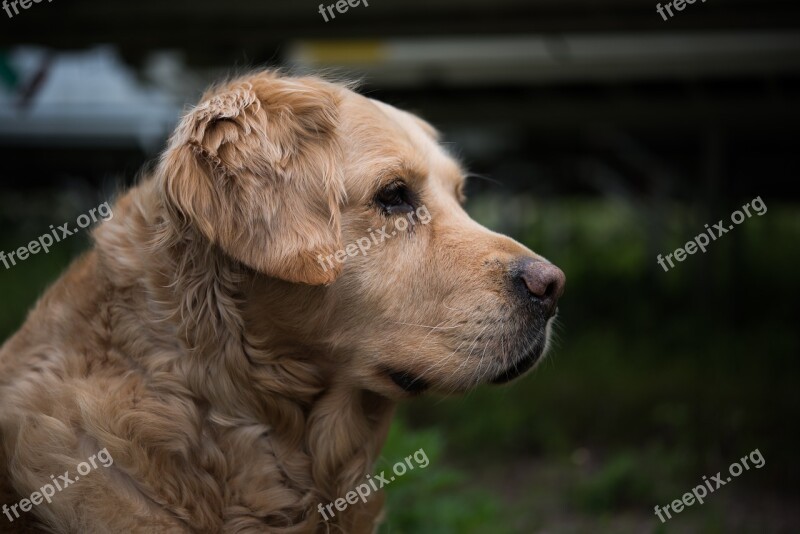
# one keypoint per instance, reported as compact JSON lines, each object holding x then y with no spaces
{"x":349,"y":215}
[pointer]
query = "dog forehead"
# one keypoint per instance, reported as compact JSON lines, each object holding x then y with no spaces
{"x":442,"y":167}
{"x":408,"y":121}
{"x":377,"y":135}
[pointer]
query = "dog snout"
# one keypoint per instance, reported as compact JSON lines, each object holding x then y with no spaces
{"x":542,"y":281}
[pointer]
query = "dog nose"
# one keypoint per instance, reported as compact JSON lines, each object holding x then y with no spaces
{"x":544,"y":281}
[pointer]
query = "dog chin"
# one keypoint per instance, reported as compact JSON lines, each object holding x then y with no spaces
{"x":521,"y":365}
{"x":413,"y":385}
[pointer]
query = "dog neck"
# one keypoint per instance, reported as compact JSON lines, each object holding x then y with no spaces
{"x":241,"y":364}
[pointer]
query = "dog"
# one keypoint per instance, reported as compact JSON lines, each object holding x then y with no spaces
{"x":225,"y":347}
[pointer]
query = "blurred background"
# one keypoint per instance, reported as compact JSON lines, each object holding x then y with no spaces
{"x":606,"y":136}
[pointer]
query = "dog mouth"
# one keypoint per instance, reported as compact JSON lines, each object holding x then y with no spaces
{"x":530,"y":349}
{"x":408,"y":382}
{"x":414,"y":385}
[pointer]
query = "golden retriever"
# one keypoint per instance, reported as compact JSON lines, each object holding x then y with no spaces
{"x":233,"y":344}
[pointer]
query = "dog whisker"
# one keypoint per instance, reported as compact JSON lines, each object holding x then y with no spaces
{"x":485,"y":178}
{"x":442,"y":363}
{"x":439,"y":326}
{"x":478,"y":374}
{"x":472,"y":347}
{"x":455,"y":309}
{"x":436,"y":327}
{"x":489,"y":364}
{"x":422,"y":375}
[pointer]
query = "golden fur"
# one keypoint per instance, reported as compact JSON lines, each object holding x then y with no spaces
{"x":235,"y":380}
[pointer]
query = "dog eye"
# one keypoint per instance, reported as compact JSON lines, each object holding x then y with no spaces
{"x":395,"y":198}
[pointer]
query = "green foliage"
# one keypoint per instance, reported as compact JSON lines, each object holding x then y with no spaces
{"x":629,"y":479}
{"x":437,"y":499}
{"x":616,"y":485}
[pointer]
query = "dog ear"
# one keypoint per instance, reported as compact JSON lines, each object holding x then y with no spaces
{"x":255,"y":168}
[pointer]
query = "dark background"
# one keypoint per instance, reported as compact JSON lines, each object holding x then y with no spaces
{"x":607,"y":136}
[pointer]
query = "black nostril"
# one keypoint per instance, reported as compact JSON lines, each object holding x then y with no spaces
{"x":549,"y":291}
